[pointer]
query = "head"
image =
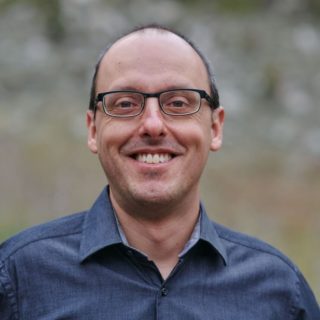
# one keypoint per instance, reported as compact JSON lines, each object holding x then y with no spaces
{"x":153,"y":160}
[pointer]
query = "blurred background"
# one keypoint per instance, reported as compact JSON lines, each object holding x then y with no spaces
{"x":266,"y":58}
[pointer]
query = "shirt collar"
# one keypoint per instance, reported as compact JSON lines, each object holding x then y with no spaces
{"x":99,"y":227}
{"x":208,"y":233}
{"x":100,"y":230}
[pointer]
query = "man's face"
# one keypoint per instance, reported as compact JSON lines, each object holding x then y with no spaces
{"x":152,"y":62}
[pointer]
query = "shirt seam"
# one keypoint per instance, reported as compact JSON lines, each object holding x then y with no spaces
{"x":22,"y":246}
{"x":9,"y":291}
{"x":294,"y":311}
{"x":275,"y":254}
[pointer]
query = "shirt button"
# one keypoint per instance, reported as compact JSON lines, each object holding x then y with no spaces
{"x":164,"y":291}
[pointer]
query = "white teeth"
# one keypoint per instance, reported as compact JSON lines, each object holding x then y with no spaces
{"x":153,"y":158}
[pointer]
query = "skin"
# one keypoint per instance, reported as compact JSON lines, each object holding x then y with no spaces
{"x":157,"y":204}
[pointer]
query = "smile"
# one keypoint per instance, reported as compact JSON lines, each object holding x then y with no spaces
{"x":153,"y":158}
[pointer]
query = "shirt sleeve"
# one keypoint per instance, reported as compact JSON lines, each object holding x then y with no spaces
{"x":8,"y":306}
{"x":308,"y":308}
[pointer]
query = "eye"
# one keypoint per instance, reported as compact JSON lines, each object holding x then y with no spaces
{"x":176,"y":102}
{"x":180,"y":101}
{"x":125,"y":103}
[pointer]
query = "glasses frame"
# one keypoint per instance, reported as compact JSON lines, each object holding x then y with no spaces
{"x":203,"y":95}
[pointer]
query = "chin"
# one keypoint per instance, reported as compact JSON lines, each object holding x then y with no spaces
{"x":149,"y":194}
{"x":161,"y":199}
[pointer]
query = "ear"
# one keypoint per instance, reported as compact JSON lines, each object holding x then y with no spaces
{"x":217,"y":129}
{"x":92,"y":132}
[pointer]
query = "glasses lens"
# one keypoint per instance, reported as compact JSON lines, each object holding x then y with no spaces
{"x":123,"y":104}
{"x":180,"y":102}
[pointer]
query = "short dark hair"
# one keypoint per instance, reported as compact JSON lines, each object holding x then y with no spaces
{"x":213,"y":88}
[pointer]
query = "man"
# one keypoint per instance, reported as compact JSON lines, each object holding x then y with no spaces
{"x":146,"y":249}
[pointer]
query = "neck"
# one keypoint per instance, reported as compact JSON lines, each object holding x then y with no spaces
{"x":161,"y":239}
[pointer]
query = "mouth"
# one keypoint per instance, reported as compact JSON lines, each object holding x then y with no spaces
{"x":153,"y":158}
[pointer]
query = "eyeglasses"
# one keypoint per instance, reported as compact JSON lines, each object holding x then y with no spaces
{"x":128,"y":103}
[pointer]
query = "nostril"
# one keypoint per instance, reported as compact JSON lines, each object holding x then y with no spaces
{"x":152,"y":124}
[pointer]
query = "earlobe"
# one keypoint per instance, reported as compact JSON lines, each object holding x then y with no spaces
{"x":92,"y":132}
{"x":217,"y":129}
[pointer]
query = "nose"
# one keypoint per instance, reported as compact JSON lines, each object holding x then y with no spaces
{"x":152,"y":120}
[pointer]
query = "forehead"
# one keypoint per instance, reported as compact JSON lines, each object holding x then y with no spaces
{"x":151,"y":57}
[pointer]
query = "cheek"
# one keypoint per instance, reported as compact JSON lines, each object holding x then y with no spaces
{"x":111,"y":136}
{"x":195,"y":135}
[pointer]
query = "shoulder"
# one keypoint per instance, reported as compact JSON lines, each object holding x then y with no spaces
{"x":239,"y":245}
{"x":56,"y":229}
{"x":257,"y":269}
{"x":251,"y":258}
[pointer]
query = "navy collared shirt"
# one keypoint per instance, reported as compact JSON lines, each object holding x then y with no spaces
{"x":77,"y":267}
